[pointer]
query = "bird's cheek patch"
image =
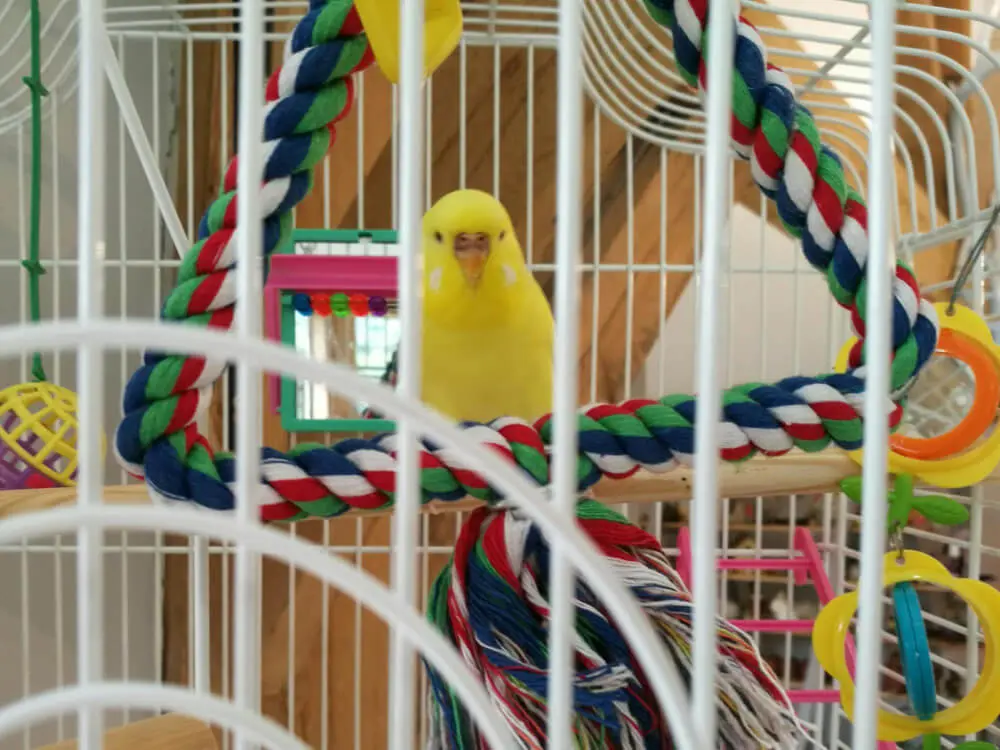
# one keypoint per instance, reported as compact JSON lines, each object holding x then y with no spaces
{"x":509,"y":274}
{"x":435,"y":280}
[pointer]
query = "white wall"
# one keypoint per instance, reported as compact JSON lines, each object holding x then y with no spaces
{"x":778,"y":316}
{"x":37,"y":584}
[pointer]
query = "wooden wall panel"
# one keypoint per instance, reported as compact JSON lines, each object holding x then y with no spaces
{"x":208,"y":131}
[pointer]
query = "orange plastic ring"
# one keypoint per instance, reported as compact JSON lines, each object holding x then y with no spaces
{"x":977,"y":421}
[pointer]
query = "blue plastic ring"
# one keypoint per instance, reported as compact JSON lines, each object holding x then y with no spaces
{"x":918,"y":672}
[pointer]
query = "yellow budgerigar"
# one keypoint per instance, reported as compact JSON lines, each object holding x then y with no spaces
{"x":487,"y":327}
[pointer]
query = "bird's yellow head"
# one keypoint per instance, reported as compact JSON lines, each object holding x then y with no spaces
{"x":469,"y":240}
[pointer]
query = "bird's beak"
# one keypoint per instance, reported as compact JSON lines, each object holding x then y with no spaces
{"x":472,"y":251}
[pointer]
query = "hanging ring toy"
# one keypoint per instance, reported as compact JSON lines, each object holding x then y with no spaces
{"x":911,"y":632}
{"x":960,"y":457}
{"x":981,"y":414}
{"x":914,"y":651}
{"x":976,"y":710}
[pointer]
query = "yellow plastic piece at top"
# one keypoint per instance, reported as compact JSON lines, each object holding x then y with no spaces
{"x":975,"y":711}
{"x":442,"y":32}
{"x":970,"y":466}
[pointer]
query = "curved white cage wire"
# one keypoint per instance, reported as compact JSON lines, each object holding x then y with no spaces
{"x":632,"y":104}
{"x":827,"y":52}
{"x":519,"y":492}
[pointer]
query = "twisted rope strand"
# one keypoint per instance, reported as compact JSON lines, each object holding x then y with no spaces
{"x":158,"y":438}
{"x":305,"y":99}
{"x":806,"y":180}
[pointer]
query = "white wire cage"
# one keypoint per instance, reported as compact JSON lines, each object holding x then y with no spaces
{"x":491,"y":121}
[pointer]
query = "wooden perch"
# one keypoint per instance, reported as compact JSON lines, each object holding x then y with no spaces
{"x":793,"y":473}
{"x":168,"y":732}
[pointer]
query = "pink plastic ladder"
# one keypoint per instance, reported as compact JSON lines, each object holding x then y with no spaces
{"x":806,"y":566}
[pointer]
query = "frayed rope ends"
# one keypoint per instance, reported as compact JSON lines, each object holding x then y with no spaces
{"x":491,"y":601}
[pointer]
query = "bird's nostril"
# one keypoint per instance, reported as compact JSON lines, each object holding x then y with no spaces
{"x":470,"y":241}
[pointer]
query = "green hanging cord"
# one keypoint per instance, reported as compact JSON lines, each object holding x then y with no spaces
{"x":32,"y":264}
{"x":932,"y":742}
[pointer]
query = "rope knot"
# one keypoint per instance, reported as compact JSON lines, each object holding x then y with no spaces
{"x":33,"y":266}
{"x":35,"y":86}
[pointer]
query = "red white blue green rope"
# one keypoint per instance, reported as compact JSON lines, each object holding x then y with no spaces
{"x":158,"y":438}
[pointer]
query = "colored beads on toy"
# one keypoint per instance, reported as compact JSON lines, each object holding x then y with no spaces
{"x":301,"y":304}
{"x":321,"y":305}
{"x":340,"y":304}
{"x":359,"y":305}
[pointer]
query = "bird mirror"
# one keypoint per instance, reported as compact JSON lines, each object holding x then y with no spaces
{"x":940,"y":399}
{"x":331,"y":296}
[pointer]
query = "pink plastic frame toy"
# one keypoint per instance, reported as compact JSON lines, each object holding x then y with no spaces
{"x":806,"y":566}
{"x":371,"y":275}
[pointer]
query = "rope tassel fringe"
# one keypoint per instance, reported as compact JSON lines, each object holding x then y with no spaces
{"x":491,"y":601}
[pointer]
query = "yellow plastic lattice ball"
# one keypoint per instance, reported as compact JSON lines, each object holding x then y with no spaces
{"x":38,"y":425}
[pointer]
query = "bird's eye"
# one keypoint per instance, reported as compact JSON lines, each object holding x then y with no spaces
{"x":501,"y":236}
{"x":438,"y":237}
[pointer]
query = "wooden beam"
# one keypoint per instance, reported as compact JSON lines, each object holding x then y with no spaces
{"x":361,"y":140}
{"x":959,"y":52}
{"x":984,"y":145}
{"x":167,"y":732}
{"x":922,"y":97}
{"x":375,"y":207}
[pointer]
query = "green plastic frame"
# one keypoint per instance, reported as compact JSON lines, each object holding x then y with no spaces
{"x":290,"y":421}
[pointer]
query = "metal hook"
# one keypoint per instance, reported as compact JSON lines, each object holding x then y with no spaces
{"x":970,"y":261}
{"x":896,"y":540}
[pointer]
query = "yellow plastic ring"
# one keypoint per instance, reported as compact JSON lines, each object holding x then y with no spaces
{"x":976,"y":710}
{"x":966,"y":468}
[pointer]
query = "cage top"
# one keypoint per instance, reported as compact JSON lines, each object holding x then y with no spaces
{"x":628,"y":58}
{"x":631,"y":74}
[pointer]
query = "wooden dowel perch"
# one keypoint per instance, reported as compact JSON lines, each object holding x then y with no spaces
{"x":169,"y":732}
{"x":793,"y":473}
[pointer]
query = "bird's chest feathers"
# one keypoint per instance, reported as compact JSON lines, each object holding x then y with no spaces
{"x":491,"y":306}
{"x":479,"y":373}
{"x":479,"y":377}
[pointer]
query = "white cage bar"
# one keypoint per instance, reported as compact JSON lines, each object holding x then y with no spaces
{"x":633,"y":250}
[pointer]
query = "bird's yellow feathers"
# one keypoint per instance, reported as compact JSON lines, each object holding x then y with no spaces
{"x":474,"y":269}
{"x":488,"y":329}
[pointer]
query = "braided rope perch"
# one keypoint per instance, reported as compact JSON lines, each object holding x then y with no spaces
{"x":158,"y":438}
